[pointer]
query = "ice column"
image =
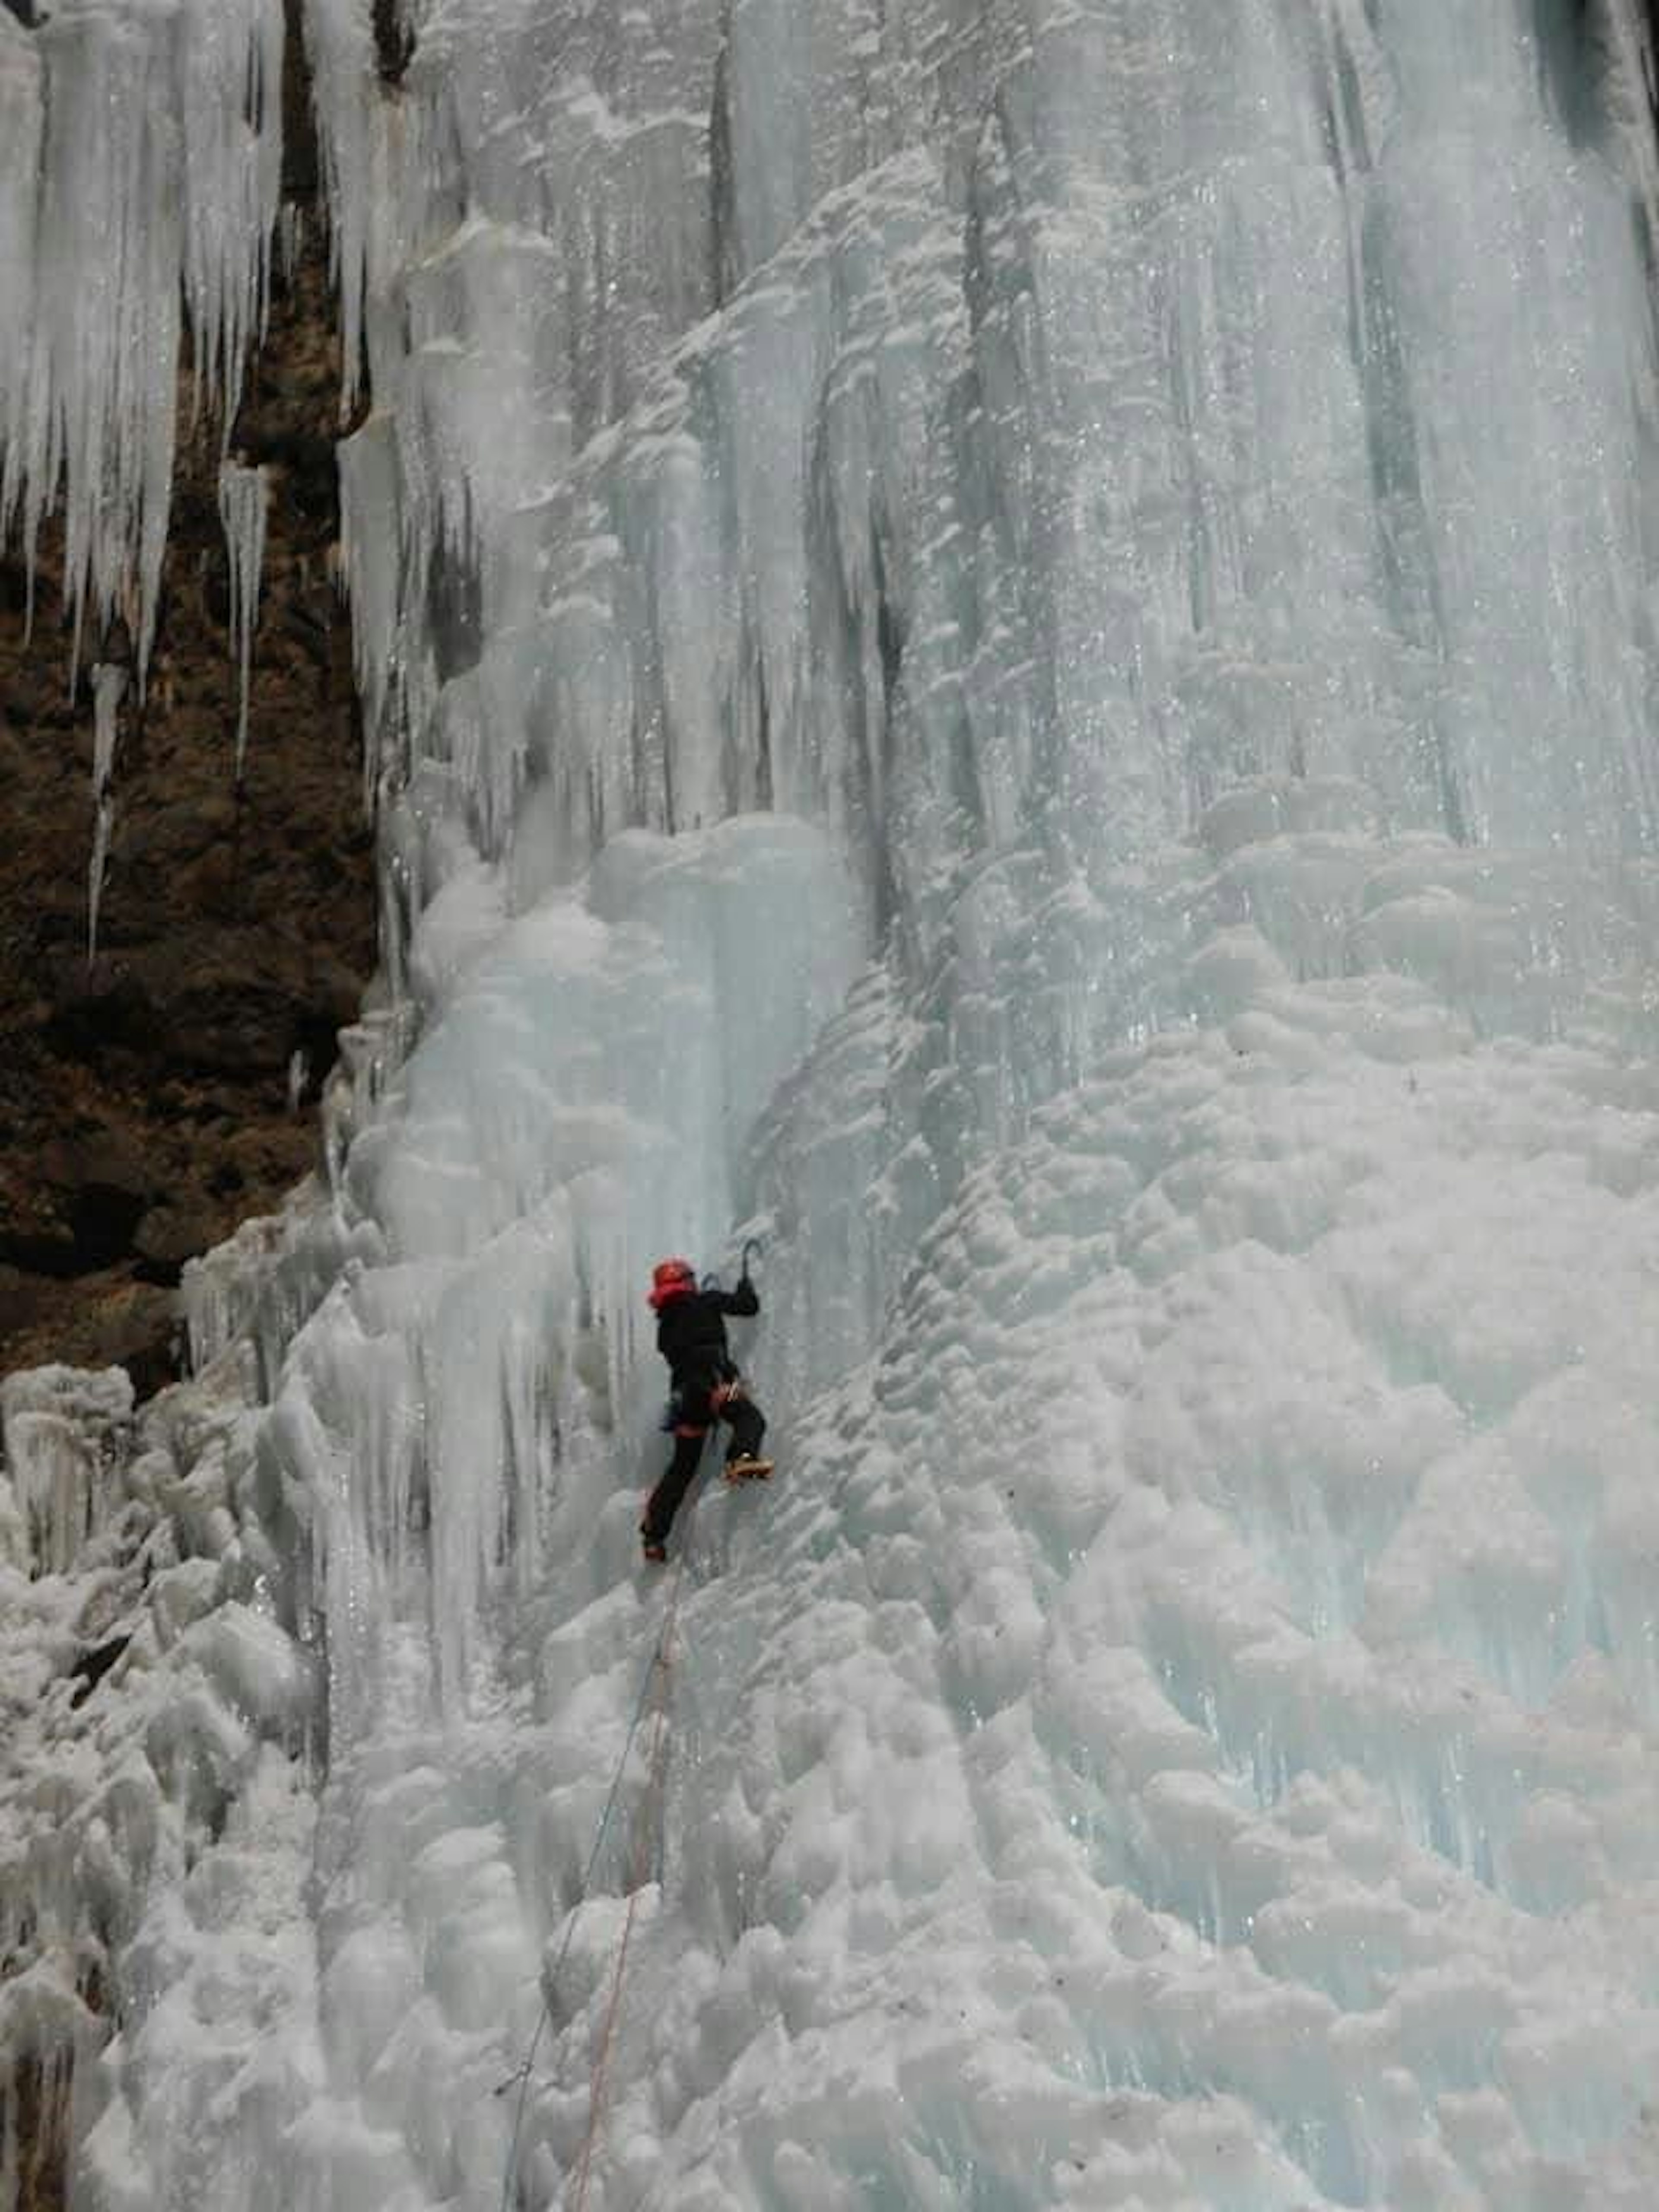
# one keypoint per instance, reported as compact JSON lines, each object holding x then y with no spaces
{"x":229,"y":84}
{"x":108,"y":683}
{"x":340,"y":47}
{"x":242,"y":495}
{"x":60,"y":1435}
{"x":21,"y":121}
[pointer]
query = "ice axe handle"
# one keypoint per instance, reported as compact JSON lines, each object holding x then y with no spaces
{"x":752,"y":1245}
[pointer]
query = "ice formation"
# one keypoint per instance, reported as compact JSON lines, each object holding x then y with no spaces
{"x":242,"y":500}
{"x":108,"y":683}
{"x":139,"y":160}
{"x":1011,"y":647}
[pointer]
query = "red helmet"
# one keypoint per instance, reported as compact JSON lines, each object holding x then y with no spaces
{"x":671,"y":1278}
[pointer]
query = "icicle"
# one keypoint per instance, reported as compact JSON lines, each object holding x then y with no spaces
{"x":290,"y":240}
{"x":21,"y":121}
{"x":139,"y":177}
{"x":340,"y":46}
{"x":371,"y":536}
{"x":61,"y":1430}
{"x":231,"y":97}
{"x":242,"y":511}
{"x":108,"y":683}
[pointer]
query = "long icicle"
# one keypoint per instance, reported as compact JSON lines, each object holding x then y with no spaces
{"x":108,"y":683}
{"x":242,"y":503}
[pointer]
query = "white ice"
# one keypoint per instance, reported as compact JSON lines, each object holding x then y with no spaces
{"x":1024,"y":668}
{"x":140,"y":151}
{"x":243,"y":498}
{"x":109,"y":682}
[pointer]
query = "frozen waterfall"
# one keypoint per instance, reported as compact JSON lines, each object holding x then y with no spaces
{"x":1009,"y":644}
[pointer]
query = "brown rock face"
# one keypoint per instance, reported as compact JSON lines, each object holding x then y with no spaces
{"x":145,"y":1095}
{"x":41,"y":2095}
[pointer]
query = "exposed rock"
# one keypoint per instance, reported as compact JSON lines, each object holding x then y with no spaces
{"x":146,"y":1109}
{"x":41,"y":2092}
{"x":167,"y":1235}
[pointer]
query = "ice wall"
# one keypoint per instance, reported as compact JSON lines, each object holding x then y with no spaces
{"x":154,"y":1820}
{"x":1011,"y":644}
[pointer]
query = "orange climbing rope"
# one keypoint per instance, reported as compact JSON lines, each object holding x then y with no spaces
{"x":651,"y":1815}
{"x":653,"y":1694}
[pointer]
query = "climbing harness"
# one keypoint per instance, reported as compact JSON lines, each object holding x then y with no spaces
{"x":655,"y":1684}
{"x":673,"y":1422}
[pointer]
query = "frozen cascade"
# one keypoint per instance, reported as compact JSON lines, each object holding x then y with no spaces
{"x":1011,"y":646}
{"x":140,"y":152}
{"x":59,"y":1433}
{"x":242,"y":501}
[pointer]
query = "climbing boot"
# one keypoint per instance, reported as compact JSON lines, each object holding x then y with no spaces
{"x":744,"y":1469}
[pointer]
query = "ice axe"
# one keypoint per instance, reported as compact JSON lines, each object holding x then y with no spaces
{"x":750,"y":1244}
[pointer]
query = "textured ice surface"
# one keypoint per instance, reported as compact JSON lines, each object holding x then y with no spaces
{"x":153,"y":1810}
{"x":1026,"y":668}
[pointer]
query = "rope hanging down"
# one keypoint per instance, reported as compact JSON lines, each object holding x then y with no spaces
{"x":656,"y":1679}
{"x":658,"y":1773}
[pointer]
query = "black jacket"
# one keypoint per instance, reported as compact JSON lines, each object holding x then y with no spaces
{"x":691,"y":1334}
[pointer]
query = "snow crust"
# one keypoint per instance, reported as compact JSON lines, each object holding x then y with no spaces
{"x":1025,"y":668}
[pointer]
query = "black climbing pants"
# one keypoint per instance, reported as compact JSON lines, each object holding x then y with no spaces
{"x":698,"y":1413}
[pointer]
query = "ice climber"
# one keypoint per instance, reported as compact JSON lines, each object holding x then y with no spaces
{"x":706,"y":1388}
